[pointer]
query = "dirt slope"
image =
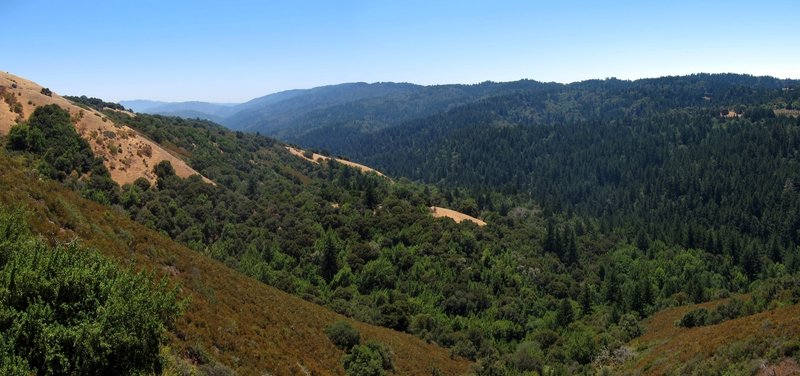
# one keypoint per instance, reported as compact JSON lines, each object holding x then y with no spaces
{"x":316,"y":158}
{"x":126,"y":154}
{"x":454,"y":215}
{"x":250,"y":327}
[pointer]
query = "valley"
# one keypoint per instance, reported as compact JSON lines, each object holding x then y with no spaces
{"x":586,"y":221}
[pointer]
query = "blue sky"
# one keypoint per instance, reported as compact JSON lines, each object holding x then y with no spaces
{"x":231,"y":51}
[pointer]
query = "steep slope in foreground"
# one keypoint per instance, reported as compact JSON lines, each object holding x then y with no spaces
{"x":669,"y":349}
{"x":127,"y":155}
{"x":246,"y":325}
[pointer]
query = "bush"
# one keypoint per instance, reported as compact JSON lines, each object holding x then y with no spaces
{"x":67,"y":310}
{"x":696,"y":317}
{"x":372,"y":359}
{"x":630,"y":327}
{"x":580,"y":345}
{"x":343,"y":335}
{"x":528,"y":357}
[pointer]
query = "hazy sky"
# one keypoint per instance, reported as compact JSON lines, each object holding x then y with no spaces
{"x":230,"y":51}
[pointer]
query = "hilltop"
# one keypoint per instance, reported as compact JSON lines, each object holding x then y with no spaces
{"x":124,"y":151}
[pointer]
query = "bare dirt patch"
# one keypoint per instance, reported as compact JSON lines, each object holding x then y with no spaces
{"x":785,"y":112}
{"x":317,"y":158}
{"x":454,"y":215}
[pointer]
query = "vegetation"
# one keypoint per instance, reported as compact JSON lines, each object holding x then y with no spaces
{"x":231,"y":321}
{"x":343,"y":335}
{"x":372,"y":359}
{"x":65,"y":155}
{"x":476,"y":290}
{"x":767,"y":294}
{"x":607,"y":202}
{"x":94,"y":103}
{"x":11,"y":101}
{"x":67,"y":310}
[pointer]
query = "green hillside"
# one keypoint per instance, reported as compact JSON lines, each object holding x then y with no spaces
{"x":230,"y":324}
{"x":606,"y":202}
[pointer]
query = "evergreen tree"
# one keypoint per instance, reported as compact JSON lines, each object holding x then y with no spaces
{"x":328,"y":246}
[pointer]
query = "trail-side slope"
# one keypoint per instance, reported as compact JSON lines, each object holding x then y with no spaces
{"x":316,"y":158}
{"x":437,"y":212}
{"x":127,"y":155}
{"x":458,"y":217}
{"x":246,"y":325}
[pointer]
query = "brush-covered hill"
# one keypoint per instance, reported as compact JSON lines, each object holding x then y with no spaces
{"x":537,"y":289}
{"x":231,"y":322}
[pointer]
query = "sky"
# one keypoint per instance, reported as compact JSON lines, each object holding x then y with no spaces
{"x":233,"y":51}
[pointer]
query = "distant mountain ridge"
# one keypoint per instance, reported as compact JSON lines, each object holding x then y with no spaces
{"x":354,"y":107}
{"x":190,"y":109}
{"x":329,"y":116}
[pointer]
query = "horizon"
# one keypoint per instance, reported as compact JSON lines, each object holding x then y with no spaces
{"x":229,"y":53}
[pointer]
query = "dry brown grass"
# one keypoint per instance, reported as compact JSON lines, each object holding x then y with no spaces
{"x":317,"y":158}
{"x":785,"y":112}
{"x":665,"y":347}
{"x":247,"y":325}
{"x":439,"y":212}
{"x":121,"y":155}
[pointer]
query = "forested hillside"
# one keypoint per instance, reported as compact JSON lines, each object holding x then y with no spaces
{"x":604,"y":206}
{"x":474,"y":289}
{"x":700,"y":161}
{"x":353,"y":108}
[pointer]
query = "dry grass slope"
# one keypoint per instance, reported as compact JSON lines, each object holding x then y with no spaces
{"x":127,"y":155}
{"x":454,"y":215}
{"x":665,"y":347}
{"x":250,"y":327}
{"x":317,"y":158}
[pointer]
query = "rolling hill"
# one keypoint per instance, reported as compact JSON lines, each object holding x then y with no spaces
{"x":231,"y":319}
{"x":607,"y":204}
{"x":125,"y":153}
{"x":354,"y":108}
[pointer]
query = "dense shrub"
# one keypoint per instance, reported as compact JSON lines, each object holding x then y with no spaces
{"x":67,"y":310}
{"x":528,"y":357}
{"x":695,"y":317}
{"x":372,"y":359}
{"x":343,"y":335}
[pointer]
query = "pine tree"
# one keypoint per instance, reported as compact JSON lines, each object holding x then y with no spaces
{"x":328,"y":246}
{"x":564,"y":315}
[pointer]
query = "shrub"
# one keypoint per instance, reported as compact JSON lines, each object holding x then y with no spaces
{"x":67,"y":310}
{"x":580,"y":345}
{"x":343,"y":335}
{"x":528,"y":357}
{"x":372,"y":359}
{"x":630,"y":327}
{"x":696,"y":317}
{"x":22,"y":137}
